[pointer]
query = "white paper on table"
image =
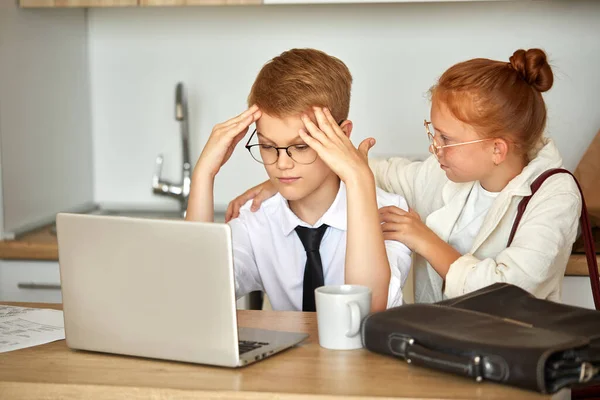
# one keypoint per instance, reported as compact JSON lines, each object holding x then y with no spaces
{"x":22,"y":327}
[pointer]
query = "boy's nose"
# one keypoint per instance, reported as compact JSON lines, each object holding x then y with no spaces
{"x":284,"y":161}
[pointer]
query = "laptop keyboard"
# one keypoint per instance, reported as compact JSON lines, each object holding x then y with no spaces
{"x":248,"y":345}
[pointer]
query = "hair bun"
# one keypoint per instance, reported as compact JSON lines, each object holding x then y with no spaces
{"x":532,"y":66}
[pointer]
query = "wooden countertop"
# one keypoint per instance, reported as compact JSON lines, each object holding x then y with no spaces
{"x":577,"y":265}
{"x":53,"y":371}
{"x":41,"y":244}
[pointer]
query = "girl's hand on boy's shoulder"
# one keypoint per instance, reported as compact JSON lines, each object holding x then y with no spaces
{"x":257,"y":194}
{"x":223,"y":139}
{"x":335,"y":148}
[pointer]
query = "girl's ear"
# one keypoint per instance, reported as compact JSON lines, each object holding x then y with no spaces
{"x":500,"y":151}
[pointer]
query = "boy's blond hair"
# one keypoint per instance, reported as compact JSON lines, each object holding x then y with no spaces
{"x":298,"y":79}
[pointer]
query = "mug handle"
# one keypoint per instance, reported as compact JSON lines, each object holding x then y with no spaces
{"x":354,"y":319}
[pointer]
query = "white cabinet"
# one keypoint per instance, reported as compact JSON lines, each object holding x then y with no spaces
{"x":577,"y":291}
{"x":30,"y":281}
{"x":39,"y":282}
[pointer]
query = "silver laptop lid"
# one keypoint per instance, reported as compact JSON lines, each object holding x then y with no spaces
{"x":152,"y":288}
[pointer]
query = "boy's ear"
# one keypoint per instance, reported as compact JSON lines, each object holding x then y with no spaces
{"x":347,"y":127}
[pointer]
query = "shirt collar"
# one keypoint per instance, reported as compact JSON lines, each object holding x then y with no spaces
{"x":543,"y":157}
{"x":335,"y":216}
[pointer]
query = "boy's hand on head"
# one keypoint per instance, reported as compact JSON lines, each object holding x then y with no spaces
{"x":364,"y":147}
{"x":223,"y":139}
{"x":335,"y":148}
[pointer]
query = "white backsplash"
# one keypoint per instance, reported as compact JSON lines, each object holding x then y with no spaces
{"x":395,"y":52}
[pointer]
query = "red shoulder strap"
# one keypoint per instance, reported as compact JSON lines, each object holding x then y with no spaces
{"x":586,"y":229}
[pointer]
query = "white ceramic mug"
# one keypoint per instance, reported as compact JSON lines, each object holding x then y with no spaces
{"x":340,"y":310}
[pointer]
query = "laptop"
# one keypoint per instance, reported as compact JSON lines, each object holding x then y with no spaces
{"x":156,"y":288}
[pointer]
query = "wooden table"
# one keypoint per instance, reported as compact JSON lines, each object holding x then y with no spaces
{"x":53,"y":371}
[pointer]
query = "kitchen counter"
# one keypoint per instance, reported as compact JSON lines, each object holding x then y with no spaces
{"x":41,"y":244}
{"x":53,"y":371}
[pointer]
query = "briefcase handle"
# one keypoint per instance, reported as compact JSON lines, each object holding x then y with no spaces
{"x":414,"y":353}
{"x":586,"y":229}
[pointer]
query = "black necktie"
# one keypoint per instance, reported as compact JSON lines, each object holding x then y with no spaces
{"x":313,"y":271}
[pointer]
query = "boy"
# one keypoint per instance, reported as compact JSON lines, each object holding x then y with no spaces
{"x":322,"y":228}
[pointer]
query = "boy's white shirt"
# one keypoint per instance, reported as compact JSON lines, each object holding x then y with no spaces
{"x":269,"y":256}
{"x":538,"y":255}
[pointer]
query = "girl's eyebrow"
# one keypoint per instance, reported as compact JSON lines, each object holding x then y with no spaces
{"x":441,"y":131}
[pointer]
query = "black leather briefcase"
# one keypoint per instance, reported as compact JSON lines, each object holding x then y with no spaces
{"x":500,"y":333}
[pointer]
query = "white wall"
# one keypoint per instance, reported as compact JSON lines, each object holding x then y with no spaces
{"x":394,"y":51}
{"x":45,"y":127}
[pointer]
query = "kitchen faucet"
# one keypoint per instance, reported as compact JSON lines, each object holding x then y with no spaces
{"x":180,"y":191}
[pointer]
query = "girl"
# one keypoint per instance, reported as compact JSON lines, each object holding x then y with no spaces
{"x":486,"y":138}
